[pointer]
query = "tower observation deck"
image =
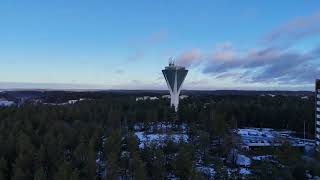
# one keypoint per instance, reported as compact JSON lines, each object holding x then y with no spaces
{"x":174,"y":76}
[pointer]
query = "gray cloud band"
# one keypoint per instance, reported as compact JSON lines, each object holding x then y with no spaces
{"x":276,"y":62}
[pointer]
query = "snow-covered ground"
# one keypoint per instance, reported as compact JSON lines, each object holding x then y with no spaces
{"x":243,"y":160}
{"x":6,"y":103}
{"x":262,"y":157}
{"x":159,"y":139}
{"x":208,"y":171}
{"x":160,"y":126}
{"x":74,"y":101}
{"x":245,"y":171}
{"x":157,"y":134}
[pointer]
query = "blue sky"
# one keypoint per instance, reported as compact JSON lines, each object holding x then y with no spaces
{"x":125,"y":44}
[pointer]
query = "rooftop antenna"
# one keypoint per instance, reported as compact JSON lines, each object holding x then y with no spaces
{"x":171,"y":61}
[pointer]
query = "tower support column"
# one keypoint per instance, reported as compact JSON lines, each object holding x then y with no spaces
{"x":175,"y":100}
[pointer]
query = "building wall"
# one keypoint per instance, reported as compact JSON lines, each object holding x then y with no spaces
{"x":317,"y":109}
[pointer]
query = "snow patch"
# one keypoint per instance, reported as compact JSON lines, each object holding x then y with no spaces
{"x":245,"y":171}
{"x":243,"y":160}
{"x":208,"y":171}
{"x":263,"y":157}
{"x":159,"y":139}
{"x":6,"y":103}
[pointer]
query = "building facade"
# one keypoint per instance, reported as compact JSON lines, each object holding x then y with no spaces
{"x":174,"y":76}
{"x":317,"y":113}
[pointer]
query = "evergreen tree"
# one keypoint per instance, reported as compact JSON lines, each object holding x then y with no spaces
{"x":221,"y":171}
{"x":217,"y":125}
{"x":113,"y":166}
{"x":81,"y":152}
{"x":158,"y":164}
{"x":137,"y":168}
{"x":3,"y":169}
{"x":264,"y":170}
{"x":183,"y":163}
{"x":204,"y":144}
{"x":23,"y":166}
{"x":18,"y":174}
{"x":41,"y":157}
{"x":92,"y":162}
{"x":287,"y":155}
{"x":132,"y":142}
{"x":113,"y":143}
{"x":112,"y":152}
{"x":299,"y":172}
{"x":75,"y":175}
{"x":64,"y":171}
{"x":25,"y":150}
{"x":40,"y":174}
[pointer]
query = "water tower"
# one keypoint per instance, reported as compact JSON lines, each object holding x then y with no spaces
{"x":174,"y":76}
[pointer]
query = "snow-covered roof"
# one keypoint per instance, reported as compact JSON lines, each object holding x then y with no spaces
{"x":165,"y":96}
{"x":269,"y":137}
{"x":146,"y":98}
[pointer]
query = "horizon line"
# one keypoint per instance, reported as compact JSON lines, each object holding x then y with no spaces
{"x":39,"y":86}
{"x":99,"y":90}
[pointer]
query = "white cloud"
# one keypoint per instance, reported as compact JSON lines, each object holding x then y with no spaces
{"x":296,"y":29}
{"x":190,"y":57}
